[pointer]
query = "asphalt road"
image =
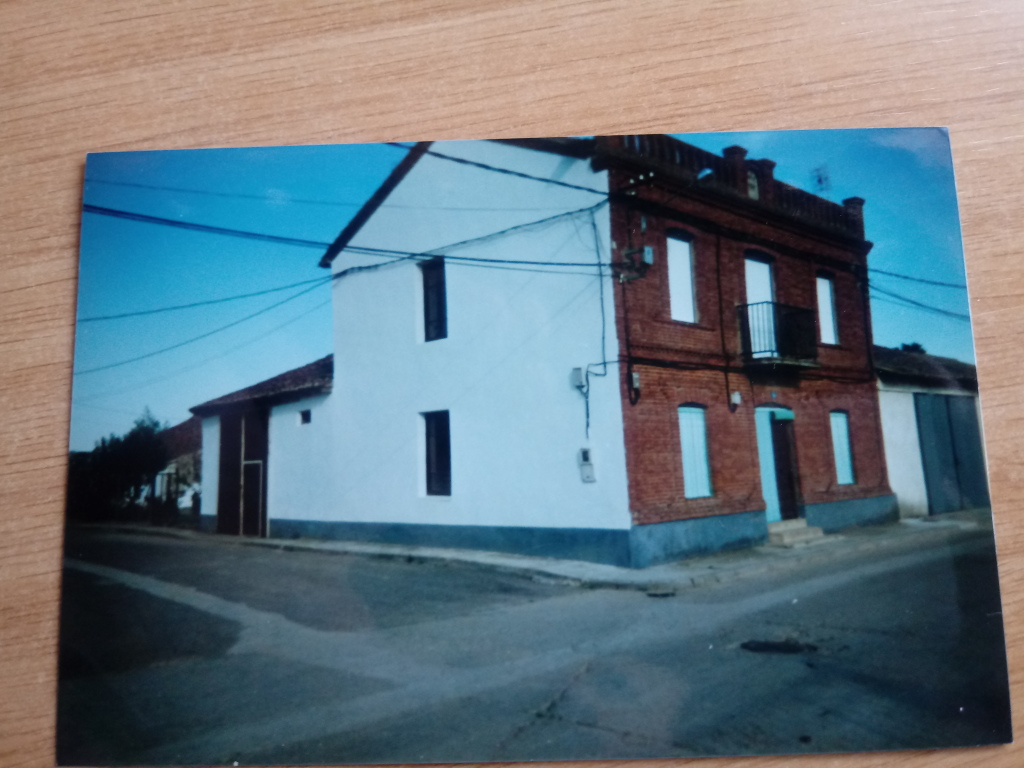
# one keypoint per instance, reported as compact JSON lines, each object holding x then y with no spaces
{"x":200,"y":652}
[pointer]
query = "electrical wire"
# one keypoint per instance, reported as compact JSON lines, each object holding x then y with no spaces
{"x":926,"y":281}
{"x":194,"y":304}
{"x":223,"y":353}
{"x":249,"y":235}
{"x":524,"y":265}
{"x":921,"y":305}
{"x":208,"y":229}
{"x":200,"y":337}
{"x":505,"y":171}
{"x":298,"y":200}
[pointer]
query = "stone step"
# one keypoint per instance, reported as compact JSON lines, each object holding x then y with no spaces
{"x":783,"y":525}
{"x":796,"y":537}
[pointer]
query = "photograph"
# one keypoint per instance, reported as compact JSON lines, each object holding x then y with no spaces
{"x":541,"y":449}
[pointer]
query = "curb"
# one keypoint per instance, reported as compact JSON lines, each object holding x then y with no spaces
{"x":657,"y":581}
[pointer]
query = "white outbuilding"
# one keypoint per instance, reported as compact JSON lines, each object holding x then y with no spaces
{"x":932,"y":433}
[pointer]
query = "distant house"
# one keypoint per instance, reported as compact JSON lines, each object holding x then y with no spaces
{"x":179,"y":481}
{"x":239,"y":431}
{"x":625,"y":350}
{"x":931,"y":426}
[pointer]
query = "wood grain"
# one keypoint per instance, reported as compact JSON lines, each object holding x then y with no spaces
{"x":139,"y":74}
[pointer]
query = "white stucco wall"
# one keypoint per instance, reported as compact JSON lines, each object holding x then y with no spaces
{"x":211,"y":465}
{"x":503,"y":372}
{"x":903,"y":451}
{"x":299,"y":471}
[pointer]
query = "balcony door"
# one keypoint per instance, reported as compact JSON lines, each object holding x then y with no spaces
{"x":760,"y":308}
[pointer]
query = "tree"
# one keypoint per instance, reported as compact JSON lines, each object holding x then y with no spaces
{"x":109,"y":482}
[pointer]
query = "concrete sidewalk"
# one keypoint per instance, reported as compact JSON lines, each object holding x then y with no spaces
{"x":665,"y":579}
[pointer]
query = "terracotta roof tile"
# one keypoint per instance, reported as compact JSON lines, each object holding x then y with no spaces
{"x":901,"y":366}
{"x":315,"y":378}
{"x":184,"y":438}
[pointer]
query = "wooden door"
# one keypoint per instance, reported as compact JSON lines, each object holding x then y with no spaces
{"x":253,"y":492}
{"x":242,"y":491}
{"x":230,"y":468}
{"x":787,"y":478}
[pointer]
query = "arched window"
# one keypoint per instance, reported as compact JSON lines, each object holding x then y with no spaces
{"x":693,"y":440}
{"x":753,"y":191}
{"x":841,"y":449}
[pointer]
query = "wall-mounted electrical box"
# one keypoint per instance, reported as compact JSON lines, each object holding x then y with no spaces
{"x":577,"y":378}
{"x":635,"y":380}
{"x":586,"y":466}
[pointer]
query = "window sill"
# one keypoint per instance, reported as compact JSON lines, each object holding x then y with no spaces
{"x":697,"y":326}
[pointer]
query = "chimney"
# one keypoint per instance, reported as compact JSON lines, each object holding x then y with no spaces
{"x":854,"y":207}
{"x":735,"y":161}
{"x":765,"y":172}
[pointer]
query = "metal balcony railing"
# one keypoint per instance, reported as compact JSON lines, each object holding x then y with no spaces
{"x":778,"y":333}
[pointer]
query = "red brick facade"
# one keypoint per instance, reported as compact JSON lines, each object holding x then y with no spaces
{"x":659,"y":190}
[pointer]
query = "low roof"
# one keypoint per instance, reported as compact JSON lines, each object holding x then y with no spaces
{"x":900,"y":366}
{"x":183,"y":439}
{"x":313,"y":379}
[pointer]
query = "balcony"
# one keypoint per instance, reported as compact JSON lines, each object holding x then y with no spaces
{"x":778,"y":334}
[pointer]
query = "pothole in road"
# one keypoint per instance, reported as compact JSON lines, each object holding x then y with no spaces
{"x":778,"y":646}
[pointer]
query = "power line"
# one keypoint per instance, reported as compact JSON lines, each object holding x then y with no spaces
{"x":918,"y":279}
{"x":196,"y":338}
{"x":528,"y":225}
{"x":506,"y":171}
{"x":208,"y":229}
{"x":298,"y":200}
{"x":920,"y":305}
{"x":465,"y":260}
{"x":249,"y":235}
{"x":223,"y":353}
{"x":208,"y":302}
{"x":524,"y":265}
{"x":442,"y":250}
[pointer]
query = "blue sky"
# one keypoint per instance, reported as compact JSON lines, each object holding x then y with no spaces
{"x":310,"y":193}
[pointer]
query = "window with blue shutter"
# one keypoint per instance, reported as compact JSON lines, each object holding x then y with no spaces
{"x":693,"y":441}
{"x":841,"y":447}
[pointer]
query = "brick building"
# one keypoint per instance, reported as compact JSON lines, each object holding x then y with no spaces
{"x":749,"y":318}
{"x":622,"y":349}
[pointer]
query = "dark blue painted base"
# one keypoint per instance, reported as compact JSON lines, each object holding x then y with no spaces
{"x":638,"y":547}
{"x":665,"y":542}
{"x":591,"y":544}
{"x":835,"y":515}
{"x":208,"y":523}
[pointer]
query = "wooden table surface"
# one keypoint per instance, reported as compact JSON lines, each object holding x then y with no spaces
{"x":143,"y":74}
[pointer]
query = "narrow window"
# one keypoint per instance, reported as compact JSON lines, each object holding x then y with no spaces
{"x":439,"y":454}
{"x":694,"y":443}
{"x":841,"y":447}
{"x":753,"y":192}
{"x":683,"y":306}
{"x":826,"y":311}
{"x":435,"y":308}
